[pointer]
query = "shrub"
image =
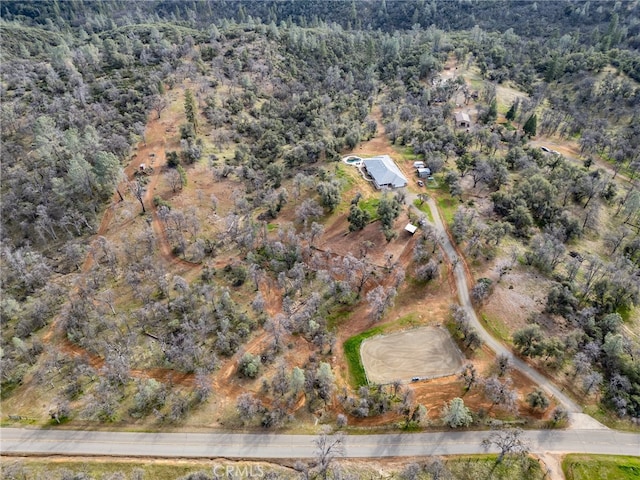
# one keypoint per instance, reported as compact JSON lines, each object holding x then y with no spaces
{"x":250,"y":365}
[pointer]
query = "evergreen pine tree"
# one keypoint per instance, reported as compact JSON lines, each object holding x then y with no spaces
{"x":531,"y":126}
{"x":190,"y":109}
{"x":511,"y":114}
{"x":492,"y":114}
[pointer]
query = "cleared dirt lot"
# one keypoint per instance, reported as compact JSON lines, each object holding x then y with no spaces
{"x":426,"y":352}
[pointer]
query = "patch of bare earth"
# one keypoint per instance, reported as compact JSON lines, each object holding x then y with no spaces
{"x":425,"y":352}
{"x":338,"y":240}
{"x":379,"y":144}
{"x":517,"y":297}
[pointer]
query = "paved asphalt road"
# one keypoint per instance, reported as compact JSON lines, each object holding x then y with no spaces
{"x":236,"y":445}
{"x":201,"y":445}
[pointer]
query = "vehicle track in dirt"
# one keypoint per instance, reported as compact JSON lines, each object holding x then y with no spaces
{"x":152,"y":148}
{"x":461,"y":273}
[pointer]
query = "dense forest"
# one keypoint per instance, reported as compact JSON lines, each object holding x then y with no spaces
{"x":269,"y":96}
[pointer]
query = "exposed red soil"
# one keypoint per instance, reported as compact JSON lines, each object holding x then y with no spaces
{"x":430,"y":304}
{"x":155,"y":144}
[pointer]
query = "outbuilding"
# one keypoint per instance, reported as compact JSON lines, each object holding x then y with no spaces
{"x":463,"y":120}
{"x":411,"y":228}
{"x":424,"y":172}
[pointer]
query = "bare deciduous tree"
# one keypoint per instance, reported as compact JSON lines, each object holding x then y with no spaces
{"x":173,"y":179}
{"x":501,"y":393}
{"x":328,"y":448}
{"x":159,"y":103}
{"x":509,"y":441}
{"x":248,"y":406}
{"x":469,"y":376}
{"x":380,"y":298}
{"x":137,"y":190}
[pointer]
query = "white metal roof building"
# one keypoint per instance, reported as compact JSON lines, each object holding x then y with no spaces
{"x":423,"y":172}
{"x":385,"y":172}
{"x":411,"y":228}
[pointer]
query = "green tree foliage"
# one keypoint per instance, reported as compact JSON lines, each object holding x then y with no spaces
{"x":107,"y":171}
{"x":538,"y":399}
{"x":388,"y":211}
{"x":187,"y":132}
{"x":491,"y":114}
{"x":250,"y":365}
{"x":191,"y":109}
{"x":455,"y":414}
{"x":358,"y":218}
{"x":173,"y":159}
{"x":531,"y":126}
{"x":297,"y":380}
{"x":464,"y":162}
{"x":513,"y":110}
{"x":183,"y":175}
{"x":529,"y":340}
{"x":521,"y":219}
{"x":329,"y":192}
{"x":539,"y":196}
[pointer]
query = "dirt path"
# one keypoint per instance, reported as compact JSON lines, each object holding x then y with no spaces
{"x":462,"y":277}
{"x":552,"y":466}
{"x":154,"y":149}
{"x":571,"y":151}
{"x":223,"y":383}
{"x":379,"y":144}
{"x":158,"y":229}
{"x":460,"y":272}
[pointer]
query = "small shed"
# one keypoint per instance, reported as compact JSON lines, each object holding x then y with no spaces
{"x":463,"y":119}
{"x":142,"y":167}
{"x":424,"y":172}
{"x":418,"y":165}
{"x":411,"y":228}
